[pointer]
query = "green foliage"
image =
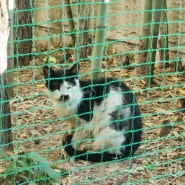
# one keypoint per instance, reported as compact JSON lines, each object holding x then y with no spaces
{"x":51,"y":59}
{"x":131,"y":56}
{"x":32,"y":168}
{"x":107,"y":46}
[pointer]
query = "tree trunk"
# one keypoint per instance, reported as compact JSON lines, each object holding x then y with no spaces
{"x":10,"y":74}
{"x":152,"y":44}
{"x":80,"y":30}
{"x":5,"y":119}
{"x":23,"y":33}
{"x":163,"y":41}
{"x":87,"y":26}
{"x":99,"y":42}
{"x":70,"y":20}
{"x":148,"y":43}
{"x":143,"y":43}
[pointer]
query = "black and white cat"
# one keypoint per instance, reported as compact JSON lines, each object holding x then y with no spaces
{"x":106,"y":111}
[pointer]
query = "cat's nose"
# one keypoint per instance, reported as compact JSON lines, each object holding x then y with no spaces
{"x":64,"y":98}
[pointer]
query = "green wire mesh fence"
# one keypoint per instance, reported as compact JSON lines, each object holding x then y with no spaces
{"x":144,"y":47}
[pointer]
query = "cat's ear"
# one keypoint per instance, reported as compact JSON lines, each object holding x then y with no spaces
{"x":74,"y":69}
{"x":48,"y":72}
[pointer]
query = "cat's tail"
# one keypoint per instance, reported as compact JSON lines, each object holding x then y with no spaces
{"x":93,"y":156}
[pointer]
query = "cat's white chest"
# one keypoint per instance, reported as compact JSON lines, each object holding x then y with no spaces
{"x":64,"y":110}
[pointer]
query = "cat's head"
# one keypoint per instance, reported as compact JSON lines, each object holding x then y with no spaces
{"x":62,"y":83}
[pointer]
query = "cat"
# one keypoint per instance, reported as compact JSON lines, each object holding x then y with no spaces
{"x":106,"y":111}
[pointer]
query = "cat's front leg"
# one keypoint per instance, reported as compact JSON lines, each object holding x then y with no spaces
{"x":81,"y":135}
{"x":98,"y":128}
{"x":99,"y":122}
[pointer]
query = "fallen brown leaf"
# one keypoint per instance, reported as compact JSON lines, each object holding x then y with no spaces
{"x":165,"y":130}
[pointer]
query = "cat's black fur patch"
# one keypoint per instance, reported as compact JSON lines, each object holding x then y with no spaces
{"x":86,"y":156}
